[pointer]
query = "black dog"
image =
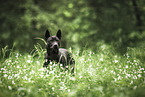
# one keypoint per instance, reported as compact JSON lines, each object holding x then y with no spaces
{"x":54,"y":53}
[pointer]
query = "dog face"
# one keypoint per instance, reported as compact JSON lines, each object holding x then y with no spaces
{"x":53,"y":42}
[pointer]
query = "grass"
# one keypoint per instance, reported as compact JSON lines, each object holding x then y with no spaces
{"x":100,"y":74}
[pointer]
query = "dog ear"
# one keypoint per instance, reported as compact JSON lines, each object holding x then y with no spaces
{"x":59,"y":34}
{"x":47,"y":34}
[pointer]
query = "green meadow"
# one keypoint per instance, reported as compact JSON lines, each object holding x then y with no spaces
{"x":106,"y":39}
{"x":97,"y":74}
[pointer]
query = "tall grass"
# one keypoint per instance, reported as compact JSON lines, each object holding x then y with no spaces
{"x":100,"y":74}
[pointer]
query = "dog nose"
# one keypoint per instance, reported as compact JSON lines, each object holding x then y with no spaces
{"x":55,"y":46}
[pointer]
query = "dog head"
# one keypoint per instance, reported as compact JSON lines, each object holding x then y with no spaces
{"x":53,"y":42}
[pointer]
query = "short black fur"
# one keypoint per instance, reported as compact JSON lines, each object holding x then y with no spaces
{"x":55,"y":53}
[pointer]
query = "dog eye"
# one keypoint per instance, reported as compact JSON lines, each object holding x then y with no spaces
{"x":57,"y":39}
{"x":49,"y":44}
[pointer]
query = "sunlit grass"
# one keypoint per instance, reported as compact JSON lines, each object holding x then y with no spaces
{"x":100,"y":74}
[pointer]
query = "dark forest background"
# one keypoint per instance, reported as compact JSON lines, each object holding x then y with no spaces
{"x":84,"y":23}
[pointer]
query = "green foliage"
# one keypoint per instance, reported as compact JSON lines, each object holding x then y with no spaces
{"x":84,"y":23}
{"x":101,"y":74}
{"x":3,"y":52}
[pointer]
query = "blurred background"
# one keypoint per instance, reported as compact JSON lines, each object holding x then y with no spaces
{"x":85,"y":24}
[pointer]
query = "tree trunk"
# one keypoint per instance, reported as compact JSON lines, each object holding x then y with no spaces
{"x":139,"y":22}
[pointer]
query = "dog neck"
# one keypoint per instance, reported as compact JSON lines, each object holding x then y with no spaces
{"x":53,"y":56}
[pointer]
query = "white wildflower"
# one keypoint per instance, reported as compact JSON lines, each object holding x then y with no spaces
{"x":134,"y":60}
{"x":128,"y":75}
{"x":101,"y":59}
{"x":41,"y":69}
{"x":51,"y":72}
{"x":131,"y":82}
{"x":19,"y":89}
{"x":50,"y":63}
{"x":13,"y":82}
{"x":29,"y":79}
{"x":61,"y":65}
{"x":10,"y":60}
{"x":135,"y":77}
{"x":80,"y":77}
{"x":135,"y":87}
{"x":119,"y":78}
{"x":139,"y":75}
{"x":10,"y":88}
{"x":38,"y":62}
{"x":28,"y":61}
{"x":50,"y":83}
{"x":29,"y":56}
{"x":115,"y":79}
{"x":53,"y":88}
{"x":9,"y":77}
{"x":72,"y":78}
{"x":126,"y":66}
{"x":68,"y":90}
{"x":66,"y":66}
{"x":78,"y":52}
{"x":41,"y":75}
{"x":5,"y":75}
{"x":17,"y":55}
{"x":32,"y":72}
{"x":90,"y":53}
{"x":18,"y":66}
{"x":116,"y":61}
